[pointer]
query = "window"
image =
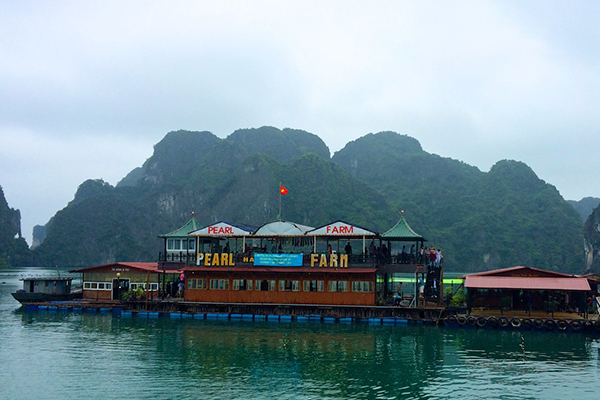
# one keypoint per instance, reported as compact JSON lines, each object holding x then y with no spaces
{"x":219,"y":284}
{"x":242,"y":284}
{"x":153,"y":287}
{"x":362,"y":286}
{"x":314,"y":286}
{"x":265,"y":285}
{"x":179,"y":244}
{"x":337,"y":286}
{"x":192,"y":244}
{"x":289,"y":286}
{"x":191,"y":284}
{"x":97,"y":285}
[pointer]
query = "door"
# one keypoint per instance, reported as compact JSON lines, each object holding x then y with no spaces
{"x":119,"y":286}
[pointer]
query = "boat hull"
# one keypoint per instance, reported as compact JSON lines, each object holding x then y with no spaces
{"x":25,"y":298}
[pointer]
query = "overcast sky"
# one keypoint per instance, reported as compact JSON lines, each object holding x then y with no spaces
{"x":87,"y":88}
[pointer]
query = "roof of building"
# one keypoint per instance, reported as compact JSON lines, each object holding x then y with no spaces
{"x":340,"y":229}
{"x":282,"y":228}
{"x":526,"y":283}
{"x":520,"y":271}
{"x":402,"y":231}
{"x":46,"y":278}
{"x":190,"y":226}
{"x":145,"y":266}
{"x":224,"y":228}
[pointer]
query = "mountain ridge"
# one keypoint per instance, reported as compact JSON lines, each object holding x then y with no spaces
{"x":481,"y":220}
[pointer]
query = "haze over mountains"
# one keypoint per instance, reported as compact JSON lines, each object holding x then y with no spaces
{"x":502,"y":218}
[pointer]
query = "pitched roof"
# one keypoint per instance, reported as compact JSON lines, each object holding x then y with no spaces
{"x":520,"y":271}
{"x":282,"y":228}
{"x":341,"y":229}
{"x":402,"y":231}
{"x":146,"y":266}
{"x":224,"y":228}
{"x":190,"y":226}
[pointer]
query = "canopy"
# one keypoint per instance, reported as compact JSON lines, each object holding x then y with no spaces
{"x":282,"y":228}
{"x":221,"y":229}
{"x":340,"y":229}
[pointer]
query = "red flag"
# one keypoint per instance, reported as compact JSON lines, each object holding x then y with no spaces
{"x":282,"y":190}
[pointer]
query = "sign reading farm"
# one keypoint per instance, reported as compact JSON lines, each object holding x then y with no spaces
{"x":340,"y":228}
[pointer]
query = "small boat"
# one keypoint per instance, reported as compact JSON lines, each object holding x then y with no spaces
{"x":42,"y":289}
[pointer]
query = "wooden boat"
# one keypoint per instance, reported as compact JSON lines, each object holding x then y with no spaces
{"x":40,"y":289}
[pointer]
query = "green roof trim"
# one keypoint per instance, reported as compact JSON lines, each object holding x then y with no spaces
{"x":402,"y":231}
{"x":190,"y":226}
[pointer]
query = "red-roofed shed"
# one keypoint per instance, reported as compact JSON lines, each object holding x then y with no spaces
{"x":526,"y":288}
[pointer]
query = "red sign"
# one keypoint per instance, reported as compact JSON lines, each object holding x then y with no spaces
{"x":220,"y":230}
{"x":340,"y":229}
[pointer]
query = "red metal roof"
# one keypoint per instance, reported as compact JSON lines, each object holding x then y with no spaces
{"x":527,"y":283}
{"x":284,"y":270}
{"x":145,"y":266}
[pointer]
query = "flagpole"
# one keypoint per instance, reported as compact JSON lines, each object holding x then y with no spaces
{"x":280,"y":196}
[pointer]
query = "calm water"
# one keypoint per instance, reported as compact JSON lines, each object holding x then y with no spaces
{"x":60,"y":355}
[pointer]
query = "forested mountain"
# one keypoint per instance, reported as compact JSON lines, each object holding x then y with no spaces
{"x":13,"y":248}
{"x":502,"y":218}
{"x":592,"y":241}
{"x":585,"y":206}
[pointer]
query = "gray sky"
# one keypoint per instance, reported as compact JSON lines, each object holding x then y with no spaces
{"x":87,"y":88}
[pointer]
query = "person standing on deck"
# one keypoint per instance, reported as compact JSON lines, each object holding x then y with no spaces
{"x":432,"y":258}
{"x":348,"y":248}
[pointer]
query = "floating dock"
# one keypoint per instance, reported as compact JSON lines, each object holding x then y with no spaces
{"x":374,"y":315}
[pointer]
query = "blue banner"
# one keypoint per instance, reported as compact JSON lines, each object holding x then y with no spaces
{"x":278,"y":260}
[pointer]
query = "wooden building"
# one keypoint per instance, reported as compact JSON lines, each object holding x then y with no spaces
{"x":111,"y":281}
{"x":280,"y":264}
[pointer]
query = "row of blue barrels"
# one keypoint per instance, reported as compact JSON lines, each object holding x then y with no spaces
{"x":32,"y":307}
{"x":549,"y":324}
{"x":270,"y":317}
